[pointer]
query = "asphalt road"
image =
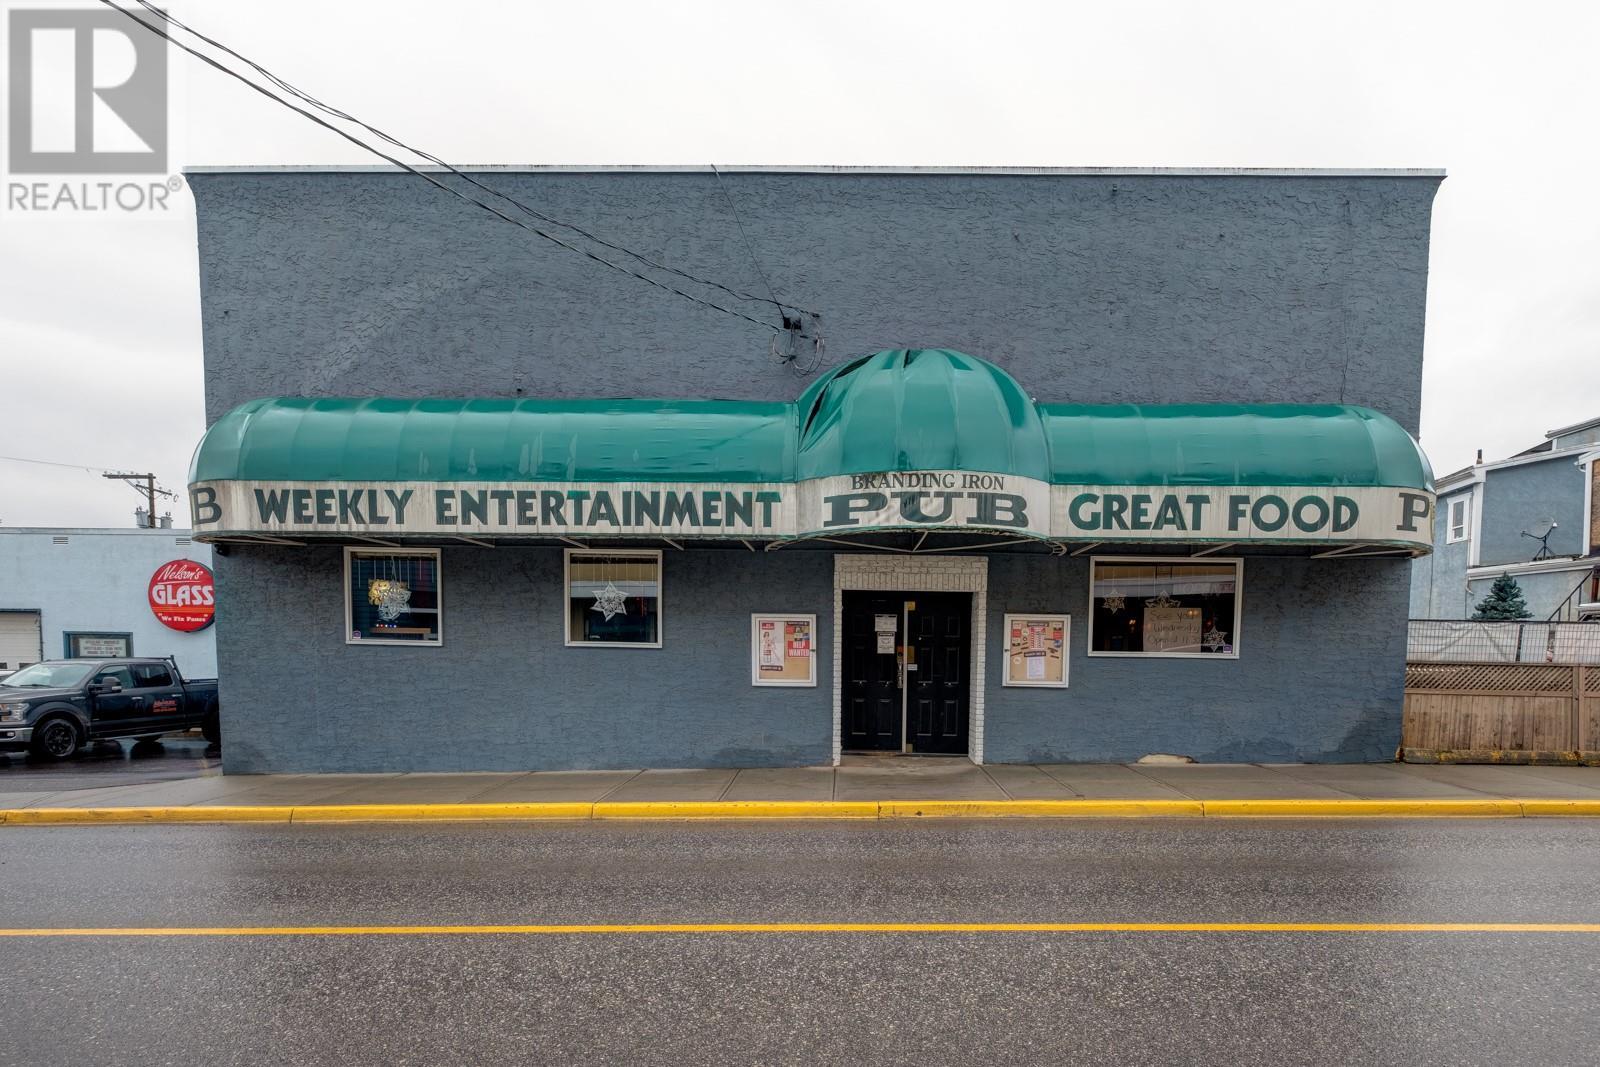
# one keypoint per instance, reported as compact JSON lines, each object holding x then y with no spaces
{"x":818,"y":997}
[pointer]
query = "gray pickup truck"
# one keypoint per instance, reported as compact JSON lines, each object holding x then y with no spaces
{"x":54,"y":708}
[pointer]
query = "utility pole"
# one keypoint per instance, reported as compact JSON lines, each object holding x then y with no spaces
{"x":146,"y":484}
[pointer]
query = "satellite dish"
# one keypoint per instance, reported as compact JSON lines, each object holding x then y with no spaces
{"x":1543,"y":539}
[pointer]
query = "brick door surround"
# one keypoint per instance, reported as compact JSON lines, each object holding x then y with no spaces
{"x":914,"y":573}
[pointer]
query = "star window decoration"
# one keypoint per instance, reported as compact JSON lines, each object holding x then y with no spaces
{"x":1214,"y":640}
{"x":1162,"y":600}
{"x":392,"y":598}
{"x":1114,"y":603}
{"x":610,"y":601}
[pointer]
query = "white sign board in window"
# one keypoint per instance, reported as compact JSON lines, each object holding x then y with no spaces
{"x":1172,"y":629}
{"x":91,"y":646}
{"x":783,"y":649}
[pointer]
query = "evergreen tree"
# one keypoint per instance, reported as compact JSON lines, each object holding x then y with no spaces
{"x":1503,"y":602}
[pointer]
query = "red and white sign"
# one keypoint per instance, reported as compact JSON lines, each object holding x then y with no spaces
{"x":183,"y":596}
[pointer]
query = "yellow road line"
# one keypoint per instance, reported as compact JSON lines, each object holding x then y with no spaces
{"x":819,"y":928}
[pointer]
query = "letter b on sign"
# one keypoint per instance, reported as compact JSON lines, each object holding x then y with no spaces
{"x":203,"y":506}
{"x":87,"y":93}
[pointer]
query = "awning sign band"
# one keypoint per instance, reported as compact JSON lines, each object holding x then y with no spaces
{"x":840,"y":505}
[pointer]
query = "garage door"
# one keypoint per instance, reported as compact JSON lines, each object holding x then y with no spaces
{"x":20,"y":641}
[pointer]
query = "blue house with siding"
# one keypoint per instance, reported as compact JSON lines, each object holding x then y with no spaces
{"x":1531,"y":516}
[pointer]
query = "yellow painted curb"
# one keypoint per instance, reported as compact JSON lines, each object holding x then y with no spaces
{"x":737,"y":809}
{"x":1079,"y":808}
{"x":1538,"y":806}
{"x":1011,"y":809}
{"x":1486,"y":807}
{"x":439,"y":812}
{"x":99,"y":816}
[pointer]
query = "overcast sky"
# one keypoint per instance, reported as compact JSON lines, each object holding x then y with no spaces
{"x":99,"y":319}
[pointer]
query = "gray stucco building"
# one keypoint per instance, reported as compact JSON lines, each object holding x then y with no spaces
{"x":1129,"y":471}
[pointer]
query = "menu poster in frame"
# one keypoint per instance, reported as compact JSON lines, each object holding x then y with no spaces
{"x":1036,"y":650}
{"x":783,"y":649}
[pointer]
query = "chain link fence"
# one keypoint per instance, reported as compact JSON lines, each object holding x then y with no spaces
{"x":1464,"y":641}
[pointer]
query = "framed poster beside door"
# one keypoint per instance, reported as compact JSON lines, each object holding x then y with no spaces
{"x":783,"y":649}
{"x":1036,"y":650}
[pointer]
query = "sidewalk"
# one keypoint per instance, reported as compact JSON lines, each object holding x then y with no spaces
{"x":864,"y":787}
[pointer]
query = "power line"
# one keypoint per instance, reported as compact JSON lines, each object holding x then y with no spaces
{"x":793,"y":326}
{"x":158,"y":31}
{"x":424,"y":176}
{"x":145,"y":485}
{"x":748,"y":247}
{"x":464,"y":176}
{"x":53,"y":463}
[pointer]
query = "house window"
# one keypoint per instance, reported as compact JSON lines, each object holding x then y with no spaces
{"x":1458,"y":520}
{"x":392,"y":597}
{"x":1165,"y":607}
{"x":614,"y":598}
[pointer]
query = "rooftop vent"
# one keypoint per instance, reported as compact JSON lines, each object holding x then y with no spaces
{"x":59,"y":539}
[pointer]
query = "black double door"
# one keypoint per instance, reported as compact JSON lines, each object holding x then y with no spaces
{"x":907,"y":667}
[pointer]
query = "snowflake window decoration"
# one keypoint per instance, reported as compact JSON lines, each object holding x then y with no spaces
{"x":1162,"y":600}
{"x":610,"y":601}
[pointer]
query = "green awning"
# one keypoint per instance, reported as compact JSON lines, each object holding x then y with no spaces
{"x":385,"y":440}
{"x":906,"y":410}
{"x":920,"y":410}
{"x":1230,"y":444}
{"x":907,"y":439}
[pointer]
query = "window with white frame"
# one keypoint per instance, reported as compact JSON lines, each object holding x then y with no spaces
{"x":1140,"y":606}
{"x":1459,"y":515}
{"x":392,"y":596}
{"x":614,"y":598}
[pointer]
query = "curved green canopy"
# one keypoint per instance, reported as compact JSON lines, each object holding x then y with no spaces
{"x":382,"y":439}
{"x":920,"y":410}
{"x":901,"y":410}
{"x":1230,"y":444}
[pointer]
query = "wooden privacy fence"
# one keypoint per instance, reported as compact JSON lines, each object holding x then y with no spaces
{"x":1501,"y":713}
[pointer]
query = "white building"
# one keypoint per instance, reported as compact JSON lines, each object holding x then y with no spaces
{"x":82,"y":592}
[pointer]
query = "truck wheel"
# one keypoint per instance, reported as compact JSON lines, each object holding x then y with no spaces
{"x":211,"y":727}
{"x":56,"y":739}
